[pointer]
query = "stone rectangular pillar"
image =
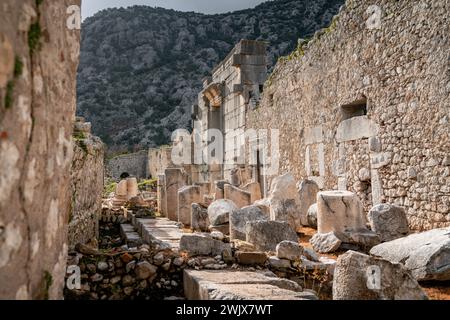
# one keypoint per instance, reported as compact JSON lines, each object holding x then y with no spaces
{"x":240,"y":197}
{"x":186,"y":197}
{"x":175,"y":179}
{"x":161,"y":195}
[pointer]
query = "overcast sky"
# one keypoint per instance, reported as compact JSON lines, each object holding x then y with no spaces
{"x":90,"y":7}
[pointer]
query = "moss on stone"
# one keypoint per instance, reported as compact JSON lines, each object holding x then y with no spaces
{"x":48,"y":281}
{"x":34,"y":35}
{"x":9,"y":97}
{"x":18,"y":67}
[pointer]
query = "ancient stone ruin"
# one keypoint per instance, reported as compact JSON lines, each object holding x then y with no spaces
{"x":349,"y":199}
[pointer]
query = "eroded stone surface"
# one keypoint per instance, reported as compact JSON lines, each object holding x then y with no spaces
{"x":239,"y":218}
{"x":425,"y":254}
{"x":388,"y":221}
{"x":265,"y":235}
{"x":361,"y":277}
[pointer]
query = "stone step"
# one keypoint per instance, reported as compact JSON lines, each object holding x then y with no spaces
{"x":240,"y":285}
{"x":161,"y":229}
{"x":130,"y":236}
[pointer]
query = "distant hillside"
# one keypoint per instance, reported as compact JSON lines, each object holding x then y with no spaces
{"x":141,"y":67}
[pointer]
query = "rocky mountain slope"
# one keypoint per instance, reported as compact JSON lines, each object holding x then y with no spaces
{"x":141,"y":67}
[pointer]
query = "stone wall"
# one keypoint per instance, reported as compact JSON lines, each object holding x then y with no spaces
{"x":39,"y":59}
{"x":158,"y":160}
{"x":86,"y":185}
{"x":135,"y":164}
{"x":234,"y":88}
{"x":367,"y":109}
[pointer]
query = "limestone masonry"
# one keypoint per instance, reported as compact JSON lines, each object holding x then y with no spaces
{"x":86,"y":185}
{"x":38,"y":65}
{"x":368,"y":110}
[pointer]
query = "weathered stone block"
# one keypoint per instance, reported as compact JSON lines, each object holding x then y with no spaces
{"x":240,"y":217}
{"x":289,"y":250}
{"x":175,"y":179}
{"x":219,"y":211}
{"x":325,"y":242}
{"x":186,"y":197}
{"x":284,"y":201}
{"x":197,"y":244}
{"x":312,"y":216}
{"x":251,"y":258}
{"x":388,"y":221}
{"x":240,"y":197}
{"x":339,"y":211}
{"x":425,"y":254}
{"x":265,"y":235}
{"x":307,"y":192}
{"x":255,"y":191}
{"x":360,"y":277}
{"x":199,"y":218}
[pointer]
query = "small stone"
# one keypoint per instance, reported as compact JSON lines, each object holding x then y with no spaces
{"x":158,"y":259}
{"x":289,"y":250}
{"x":115,"y":279}
{"x":173,"y":283}
{"x":144,"y":270}
{"x":325,"y":242}
{"x":97,"y":277}
{"x":130,"y":266}
{"x":179,"y":261}
{"x":310,"y":254}
{"x":127,"y":280}
{"x":91,"y":268}
{"x":311,"y":216}
{"x":128,"y":291}
{"x":126,"y":257}
{"x":208,"y":261}
{"x":142,"y":285}
{"x":251,"y":258}
{"x":217,"y":235}
{"x":278,"y":263}
{"x":166,"y":266}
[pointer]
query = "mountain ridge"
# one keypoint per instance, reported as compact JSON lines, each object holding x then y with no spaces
{"x":141,"y":67}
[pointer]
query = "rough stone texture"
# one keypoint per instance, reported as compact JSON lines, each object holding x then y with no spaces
{"x":240,"y":197}
{"x":339,"y":211}
{"x":325,"y":242}
{"x":265,"y":235}
{"x":289,"y":250}
{"x":86,"y":181}
{"x":356,"y":278}
{"x":279,"y":264}
{"x":161,"y":195}
{"x":254,"y":188}
{"x":199,"y":218}
{"x":250,"y":258}
{"x":175,"y":179}
{"x":35,"y":147}
{"x":135,"y":164}
{"x":159,"y":159}
{"x":186,"y":197}
{"x":388,"y":221}
{"x":240,"y":217}
{"x":284,"y":201}
{"x":307,"y":191}
{"x":196,"y":244}
{"x":219,"y":211}
{"x":241,"y":285}
{"x":312,"y":216}
{"x":264,"y":205}
{"x":426,"y":254}
{"x":309,"y":93}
